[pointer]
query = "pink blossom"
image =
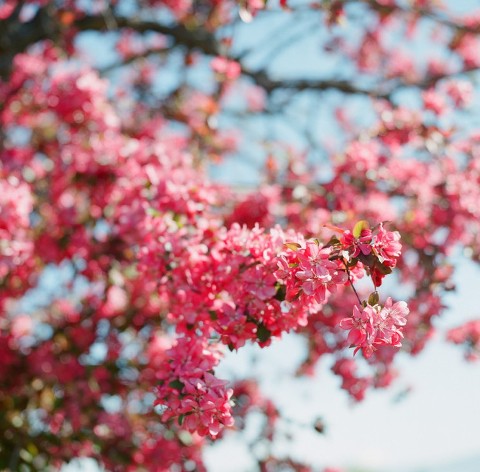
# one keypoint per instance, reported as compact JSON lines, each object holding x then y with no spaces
{"x":387,"y":246}
{"x":318,"y":275}
{"x":355,"y":246}
{"x":469,"y":335}
{"x":22,"y":325}
{"x":375,"y":326}
{"x":226,"y":67}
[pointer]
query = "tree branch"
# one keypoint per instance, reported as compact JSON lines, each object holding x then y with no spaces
{"x":421,"y":12}
{"x":262,"y":79}
{"x":15,"y":37}
{"x":198,"y":38}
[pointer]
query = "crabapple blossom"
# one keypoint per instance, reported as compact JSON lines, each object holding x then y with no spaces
{"x":375,"y":325}
{"x":469,"y":336}
{"x":138,"y":246}
{"x":387,"y":246}
{"x":190,"y":393}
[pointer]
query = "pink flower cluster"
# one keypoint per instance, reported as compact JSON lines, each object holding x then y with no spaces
{"x":373,"y":326}
{"x":158,"y":246}
{"x":190,"y":393}
{"x":353,"y":383}
{"x":469,"y":335}
{"x":253,"y":286}
{"x":377,"y":249}
{"x":226,"y":68}
{"x":309,"y":273}
{"x":109,"y":179}
{"x":16,"y":203}
{"x":386,"y":245}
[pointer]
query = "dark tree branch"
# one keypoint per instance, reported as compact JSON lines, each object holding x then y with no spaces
{"x":15,"y":37}
{"x":45,"y":26}
{"x":420,"y":12}
{"x":198,"y":38}
{"x":262,"y":79}
{"x":203,"y":40}
{"x":133,"y":58}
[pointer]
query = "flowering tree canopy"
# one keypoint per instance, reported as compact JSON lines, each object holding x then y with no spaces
{"x":137,"y":246}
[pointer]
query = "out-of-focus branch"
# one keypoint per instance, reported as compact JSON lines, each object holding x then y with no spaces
{"x":133,"y":58}
{"x":45,"y":25}
{"x":262,"y":79}
{"x":15,"y":37}
{"x":420,"y":12}
{"x":198,"y":38}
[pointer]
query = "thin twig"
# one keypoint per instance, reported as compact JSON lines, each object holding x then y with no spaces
{"x":351,"y":282}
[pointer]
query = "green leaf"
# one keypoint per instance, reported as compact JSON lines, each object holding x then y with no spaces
{"x":32,"y":449}
{"x":177,"y":384}
{"x":25,"y":456}
{"x":333,"y":241}
{"x":293,"y":246}
{"x":353,"y":262}
{"x":359,"y":227}
{"x":385,"y":270}
{"x":153,"y":212}
{"x":185,"y":437}
{"x":281,"y":292}
{"x":373,"y":299}
{"x":367,"y":260}
{"x":180,"y":419}
{"x":263,"y":333}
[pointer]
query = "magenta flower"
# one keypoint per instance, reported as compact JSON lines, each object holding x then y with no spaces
{"x":376,"y":326}
{"x":387,"y":246}
{"x":318,"y":274}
